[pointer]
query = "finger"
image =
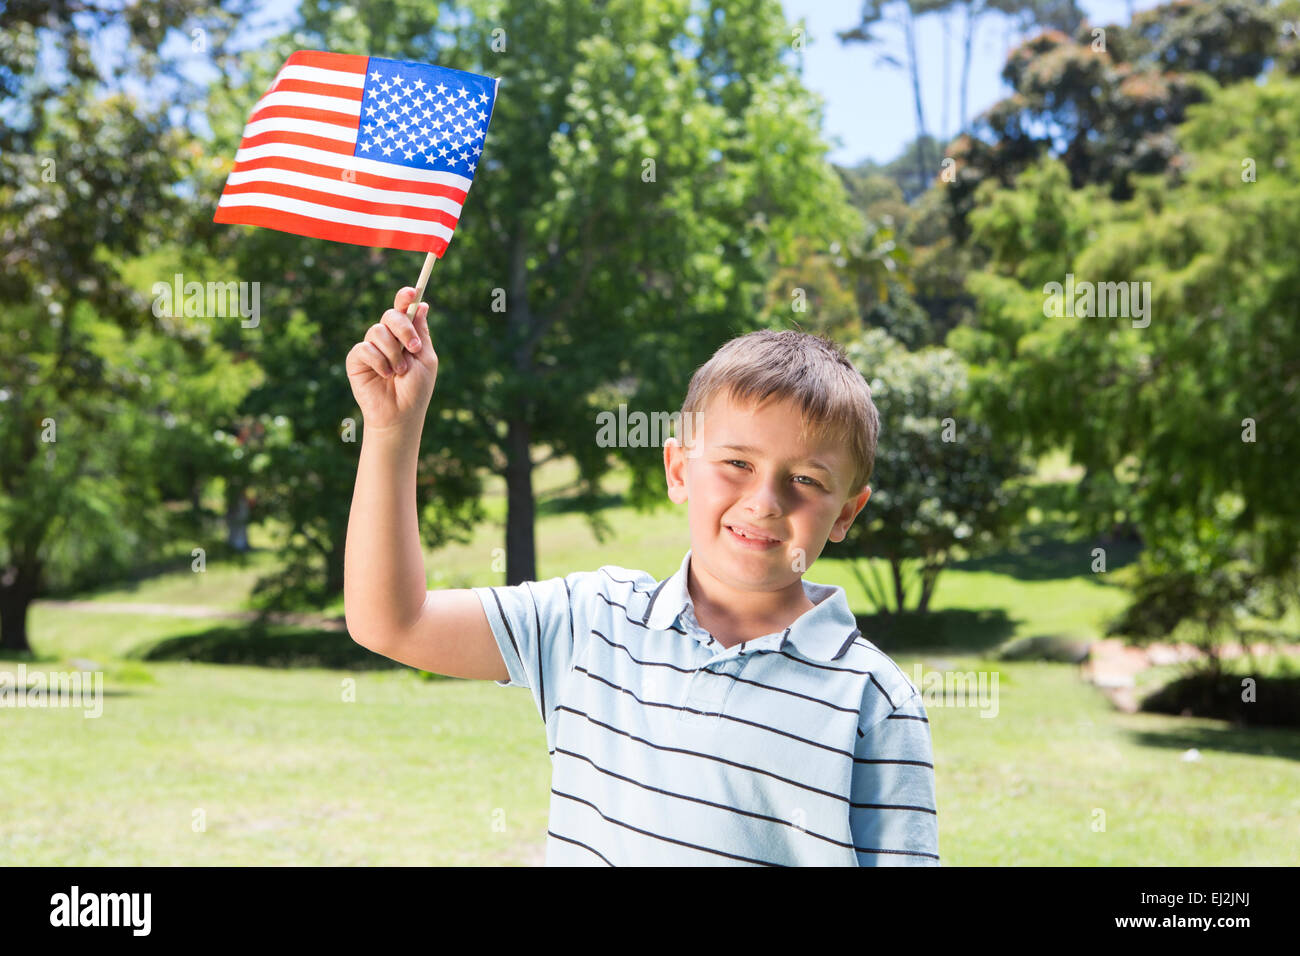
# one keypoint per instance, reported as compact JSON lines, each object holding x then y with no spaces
{"x":374,"y":357}
{"x":422,"y":330}
{"x":387,"y":343}
{"x":403,"y":329}
{"x":404,"y":297}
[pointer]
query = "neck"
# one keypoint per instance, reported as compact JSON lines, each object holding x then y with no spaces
{"x":743,"y":615}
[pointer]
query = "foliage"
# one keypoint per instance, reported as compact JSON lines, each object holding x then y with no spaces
{"x":1184,"y":424}
{"x":944,"y":481}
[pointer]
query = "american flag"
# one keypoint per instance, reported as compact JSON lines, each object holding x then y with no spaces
{"x":361,"y":149}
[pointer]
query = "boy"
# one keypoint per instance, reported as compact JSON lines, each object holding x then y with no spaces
{"x":730,"y":714}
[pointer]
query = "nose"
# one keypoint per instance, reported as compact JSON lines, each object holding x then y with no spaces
{"x":764,"y":500}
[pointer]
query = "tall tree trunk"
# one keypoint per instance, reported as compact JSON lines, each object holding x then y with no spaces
{"x":929,"y":578}
{"x":334,"y":562}
{"x":18,"y":587}
{"x":521,"y":553}
{"x":967,"y":42}
{"x":900,"y":593}
{"x":924,"y":169}
{"x":947,"y":80}
{"x":237,"y":519}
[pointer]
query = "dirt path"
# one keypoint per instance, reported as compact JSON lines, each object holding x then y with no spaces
{"x":1113,"y":666}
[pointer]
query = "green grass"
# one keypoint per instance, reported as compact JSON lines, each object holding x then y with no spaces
{"x":456,"y":772}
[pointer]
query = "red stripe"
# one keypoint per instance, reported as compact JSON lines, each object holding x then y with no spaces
{"x":320,"y":229}
{"x":319,"y":89}
{"x":343,"y":62}
{"x":350,"y":203}
{"x":346,"y":120}
{"x":298,"y":139}
{"x":360,"y":178}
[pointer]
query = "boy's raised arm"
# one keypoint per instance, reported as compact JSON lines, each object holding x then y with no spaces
{"x":387,"y":606}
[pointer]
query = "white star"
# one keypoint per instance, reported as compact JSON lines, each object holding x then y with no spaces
{"x":369,"y":129}
{"x":410,"y":153}
{"x":460,"y":111}
{"x":429,"y":158}
{"x":372,"y":110}
{"x":462,"y":93}
{"x":406,"y":107}
{"x":419,"y":84}
{"x":481,"y":116}
{"x":403,"y":125}
{"x":438,"y":106}
{"x":385,"y":86}
{"x":428,"y":95}
{"x":482,"y":97}
{"x":388,"y":150}
{"x":443,"y":151}
{"x":365,"y":147}
{"x":440,"y":88}
{"x":374,"y":75}
{"x":392,"y":115}
{"x":477,"y":150}
{"x":426,"y":114}
{"x":464,"y":156}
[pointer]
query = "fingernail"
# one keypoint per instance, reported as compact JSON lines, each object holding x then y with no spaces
{"x":414,"y":345}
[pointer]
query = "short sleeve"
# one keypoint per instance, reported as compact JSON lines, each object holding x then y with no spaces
{"x":892,"y":811}
{"x":533,"y":626}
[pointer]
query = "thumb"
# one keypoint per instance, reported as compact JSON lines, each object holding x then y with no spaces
{"x":422,"y":329}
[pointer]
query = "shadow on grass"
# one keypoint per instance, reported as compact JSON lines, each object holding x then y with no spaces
{"x":1045,"y":553}
{"x":216,"y":551}
{"x":267,"y":646}
{"x":951,"y":629}
{"x":568,"y":504}
{"x":1258,"y":741}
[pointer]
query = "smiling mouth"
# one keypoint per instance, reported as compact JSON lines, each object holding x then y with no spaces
{"x":759,"y":539}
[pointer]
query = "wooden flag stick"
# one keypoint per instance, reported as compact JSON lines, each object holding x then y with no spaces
{"x":414,"y":307}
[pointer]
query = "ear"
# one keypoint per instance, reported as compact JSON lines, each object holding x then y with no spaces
{"x":675,"y":470}
{"x":844,"y":520}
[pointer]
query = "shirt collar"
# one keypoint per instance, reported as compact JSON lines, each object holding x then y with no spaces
{"x":822,"y":633}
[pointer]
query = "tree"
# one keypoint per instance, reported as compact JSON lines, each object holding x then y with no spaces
{"x":648,"y":165}
{"x":1181,"y":410}
{"x":943,"y":484}
{"x":89,"y":380}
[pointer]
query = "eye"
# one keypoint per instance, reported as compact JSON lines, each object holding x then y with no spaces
{"x":811,"y":482}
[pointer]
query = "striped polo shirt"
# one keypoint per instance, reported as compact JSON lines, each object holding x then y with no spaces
{"x":807,"y":747}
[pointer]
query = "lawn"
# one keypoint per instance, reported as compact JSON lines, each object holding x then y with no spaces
{"x":201,"y":764}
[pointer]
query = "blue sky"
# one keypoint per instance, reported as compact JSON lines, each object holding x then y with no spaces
{"x":869,"y":107}
{"x":869,"y":113}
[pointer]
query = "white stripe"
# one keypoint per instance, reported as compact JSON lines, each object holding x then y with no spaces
{"x":345,"y":134}
{"x":313,"y":101}
{"x":342,"y":187}
{"x":343,"y":161}
{"x":317,"y":74}
{"x":333,"y":214}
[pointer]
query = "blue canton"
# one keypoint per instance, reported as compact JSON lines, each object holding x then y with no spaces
{"x":425,"y":117}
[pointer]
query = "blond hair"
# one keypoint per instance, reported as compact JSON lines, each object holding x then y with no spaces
{"x":810,"y":370}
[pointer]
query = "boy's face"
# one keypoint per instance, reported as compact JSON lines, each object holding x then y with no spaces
{"x":747,"y":466}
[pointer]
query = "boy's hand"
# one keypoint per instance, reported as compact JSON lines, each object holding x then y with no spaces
{"x":393,"y":370}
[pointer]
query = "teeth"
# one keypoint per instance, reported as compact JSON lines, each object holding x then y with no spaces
{"x":751,"y":537}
